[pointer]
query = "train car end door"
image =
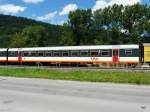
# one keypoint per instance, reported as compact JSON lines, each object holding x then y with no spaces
{"x":20,"y":55}
{"x":115,"y":56}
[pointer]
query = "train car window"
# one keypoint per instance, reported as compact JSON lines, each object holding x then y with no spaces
{"x":84,"y":53}
{"x":33,"y":53}
{"x":41,"y":53}
{"x":13,"y":53}
{"x":56,"y":53}
{"x":65,"y":53}
{"x":48,"y":53}
{"x":105,"y":52}
{"x":2,"y":53}
{"x":74,"y":53}
{"x":94,"y":53}
{"x":25,"y":53}
{"x":128,"y":52}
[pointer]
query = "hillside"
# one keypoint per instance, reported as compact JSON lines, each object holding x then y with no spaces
{"x":10,"y":25}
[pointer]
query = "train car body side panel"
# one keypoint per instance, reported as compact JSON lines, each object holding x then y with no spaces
{"x":146,"y":53}
{"x":3,"y":59}
{"x":76,"y":59}
{"x":63,"y":59}
{"x":3,"y":55}
{"x":104,"y":54}
{"x":129,"y":59}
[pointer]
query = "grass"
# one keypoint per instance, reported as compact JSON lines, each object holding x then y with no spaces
{"x":79,"y":75}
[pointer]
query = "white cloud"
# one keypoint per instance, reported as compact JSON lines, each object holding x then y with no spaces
{"x":105,"y":3}
{"x":47,"y":17}
{"x":99,"y":4}
{"x":11,"y":9}
{"x":33,"y":1}
{"x":68,"y":8}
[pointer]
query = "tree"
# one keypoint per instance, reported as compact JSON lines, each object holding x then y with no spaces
{"x":108,"y":22}
{"x":81,"y":30}
{"x":115,"y":36}
{"x":67,"y":38}
{"x":18,"y":41}
{"x":128,"y":22}
{"x":10,"y":25}
{"x":32,"y":36}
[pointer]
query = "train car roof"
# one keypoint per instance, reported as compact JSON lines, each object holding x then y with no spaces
{"x":3,"y":49}
{"x":146,"y":44}
{"x":78,"y":47}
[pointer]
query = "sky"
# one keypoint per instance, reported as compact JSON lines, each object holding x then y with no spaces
{"x":55,"y":11}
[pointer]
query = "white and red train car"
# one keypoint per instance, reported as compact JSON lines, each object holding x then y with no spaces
{"x":123,"y":54}
{"x":3,"y":55}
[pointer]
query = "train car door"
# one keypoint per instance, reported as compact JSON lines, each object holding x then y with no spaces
{"x":115,"y":56}
{"x":19,"y":55}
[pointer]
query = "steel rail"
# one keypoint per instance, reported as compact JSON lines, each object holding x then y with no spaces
{"x":137,"y":69}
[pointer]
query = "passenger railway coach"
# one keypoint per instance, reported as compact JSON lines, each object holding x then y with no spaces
{"x":3,"y":55}
{"x":112,"y":54}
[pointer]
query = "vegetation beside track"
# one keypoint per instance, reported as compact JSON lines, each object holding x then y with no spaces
{"x":79,"y":75}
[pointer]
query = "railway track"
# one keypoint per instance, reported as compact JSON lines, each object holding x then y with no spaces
{"x":137,"y":69}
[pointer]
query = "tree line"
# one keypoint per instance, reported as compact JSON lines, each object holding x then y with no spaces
{"x":23,"y":32}
{"x":115,"y":24}
{"x":112,"y":25}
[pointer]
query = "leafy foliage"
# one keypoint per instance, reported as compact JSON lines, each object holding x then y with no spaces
{"x":115,"y":24}
{"x":13,"y":28}
{"x":80,"y":27}
{"x":31,"y":36}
